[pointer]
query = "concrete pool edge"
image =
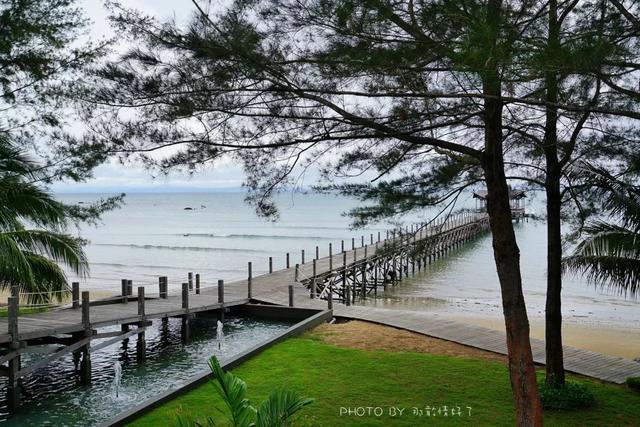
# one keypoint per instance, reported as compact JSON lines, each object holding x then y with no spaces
{"x":131,"y":414}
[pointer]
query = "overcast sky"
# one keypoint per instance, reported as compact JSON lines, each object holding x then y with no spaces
{"x":114,"y":177}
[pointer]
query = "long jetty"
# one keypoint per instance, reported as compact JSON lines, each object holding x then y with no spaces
{"x":354,"y":272}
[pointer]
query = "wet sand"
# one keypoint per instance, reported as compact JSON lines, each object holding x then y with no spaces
{"x":607,"y":339}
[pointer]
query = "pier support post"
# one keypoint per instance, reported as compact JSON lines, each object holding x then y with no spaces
{"x":353,"y":282}
{"x":347,"y":295}
{"x":330,"y":257}
{"x":314,"y":268}
{"x":290,"y":295}
{"x":124,"y":291}
{"x":141,"y":345}
{"x":221,"y":299}
{"x":250,"y":279}
{"x":85,"y":365}
{"x":185,"y":330}
{"x":162,"y":293}
{"x":364,"y":280}
{"x":13,"y":391}
{"x":75,"y":295}
{"x":129,"y":288}
{"x":198,"y":284}
{"x":330,"y":298}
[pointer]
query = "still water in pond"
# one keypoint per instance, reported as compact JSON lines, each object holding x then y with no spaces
{"x":53,"y":396}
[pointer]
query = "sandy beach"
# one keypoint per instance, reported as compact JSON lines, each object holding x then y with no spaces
{"x":602,"y":338}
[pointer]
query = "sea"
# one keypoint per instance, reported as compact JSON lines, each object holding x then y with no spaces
{"x":217,"y":234}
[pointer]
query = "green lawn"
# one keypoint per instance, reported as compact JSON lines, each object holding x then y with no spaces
{"x":4,"y":312}
{"x":338,"y":377}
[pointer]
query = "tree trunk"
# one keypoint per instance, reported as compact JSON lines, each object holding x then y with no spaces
{"x":505,"y":248}
{"x":553,"y":312}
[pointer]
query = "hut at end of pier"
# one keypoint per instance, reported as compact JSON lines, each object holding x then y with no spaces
{"x":516,"y":197}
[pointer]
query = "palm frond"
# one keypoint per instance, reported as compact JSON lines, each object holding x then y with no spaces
{"x":14,"y":265}
{"x":28,"y":202}
{"x":278,"y":409}
{"x":233,"y":392}
{"x":615,"y":273}
{"x":59,"y":247}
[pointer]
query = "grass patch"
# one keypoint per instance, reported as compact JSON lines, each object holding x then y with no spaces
{"x":344,"y":377}
{"x":4,"y":312}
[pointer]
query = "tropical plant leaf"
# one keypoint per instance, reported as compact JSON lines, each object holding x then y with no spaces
{"x":233,"y":392}
{"x":278,"y":409}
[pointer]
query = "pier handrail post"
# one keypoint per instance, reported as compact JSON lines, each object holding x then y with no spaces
{"x":330,"y":298}
{"x":270,"y":264}
{"x":372,"y":238}
{"x":330,"y":257}
{"x":288,"y":260}
{"x":302,"y":257}
{"x":342,"y":246}
{"x":197,"y":283}
{"x":290,"y":295}
{"x":221,"y":291}
{"x":185,"y":296}
{"x":362,"y":241}
{"x":296,"y":274}
{"x":85,"y":365}
{"x":75,"y":295}
{"x":129,"y":288}
{"x":378,"y":237}
{"x":313,"y":288}
{"x":165,"y":287}
{"x":141,"y":312}
{"x":317,"y":252}
{"x":86,"y":320}
{"x":314,"y":268}
{"x":353,"y":243}
{"x":249,"y":279}
{"x":13,"y":389}
{"x":190,"y":280}
{"x":141,"y":346}
{"x":124,"y":291}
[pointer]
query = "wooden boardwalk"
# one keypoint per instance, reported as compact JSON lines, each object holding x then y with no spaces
{"x":341,"y":281}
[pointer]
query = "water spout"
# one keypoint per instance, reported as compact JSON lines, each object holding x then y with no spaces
{"x":117,"y":368}
{"x":219,"y":334}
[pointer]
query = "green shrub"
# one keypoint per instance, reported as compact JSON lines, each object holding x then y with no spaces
{"x":572,"y":395}
{"x":634,"y":383}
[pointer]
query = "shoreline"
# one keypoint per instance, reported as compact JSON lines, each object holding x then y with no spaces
{"x":607,"y":339}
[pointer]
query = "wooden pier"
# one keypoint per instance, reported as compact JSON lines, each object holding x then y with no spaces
{"x":342,"y":278}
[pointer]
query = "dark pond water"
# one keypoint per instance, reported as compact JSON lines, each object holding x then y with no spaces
{"x":53,"y":395}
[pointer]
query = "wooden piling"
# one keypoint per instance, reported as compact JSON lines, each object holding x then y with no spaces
{"x":13,"y":390}
{"x":250,"y":278}
{"x":141,"y":345}
{"x":75,"y":295}
{"x":85,"y":365}
{"x":221,"y":291}
{"x":198,"y":284}
{"x":290,"y":295}
{"x":330,"y":257}
{"x":123,"y":293}
{"x":185,"y":296}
